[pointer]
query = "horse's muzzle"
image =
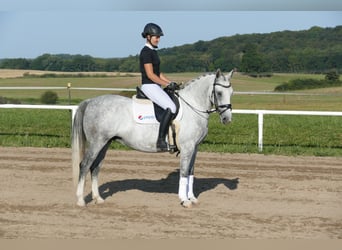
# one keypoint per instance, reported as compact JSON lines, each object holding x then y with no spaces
{"x":226,"y":116}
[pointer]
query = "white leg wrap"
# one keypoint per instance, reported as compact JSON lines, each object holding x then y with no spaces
{"x":183,"y":188}
{"x":190,"y":186}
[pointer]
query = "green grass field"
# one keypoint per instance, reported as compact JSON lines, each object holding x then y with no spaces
{"x":284,"y":135}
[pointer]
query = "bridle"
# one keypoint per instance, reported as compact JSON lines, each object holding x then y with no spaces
{"x":217,"y":107}
{"x":223,"y":107}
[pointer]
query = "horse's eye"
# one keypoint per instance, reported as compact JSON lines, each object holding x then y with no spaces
{"x":219,"y":94}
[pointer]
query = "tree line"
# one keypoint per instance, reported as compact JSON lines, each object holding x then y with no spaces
{"x":316,"y":50}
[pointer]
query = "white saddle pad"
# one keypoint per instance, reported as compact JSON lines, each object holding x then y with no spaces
{"x":143,"y":111}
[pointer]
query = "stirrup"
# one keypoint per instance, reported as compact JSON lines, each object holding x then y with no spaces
{"x":173,"y":149}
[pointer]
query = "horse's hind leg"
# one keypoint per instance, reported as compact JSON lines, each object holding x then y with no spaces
{"x":95,"y":186}
{"x":88,"y":161}
{"x":95,"y":169}
{"x":81,"y":180}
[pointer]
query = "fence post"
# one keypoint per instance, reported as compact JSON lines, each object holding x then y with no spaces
{"x":260,"y":130}
{"x":73,"y":113}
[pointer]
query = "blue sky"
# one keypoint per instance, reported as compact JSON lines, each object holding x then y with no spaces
{"x":29,"y":28}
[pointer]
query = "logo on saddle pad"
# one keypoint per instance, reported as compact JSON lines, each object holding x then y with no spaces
{"x":146,"y":117}
{"x":143,"y":111}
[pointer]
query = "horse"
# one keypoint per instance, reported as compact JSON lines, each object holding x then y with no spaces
{"x":100,"y":120}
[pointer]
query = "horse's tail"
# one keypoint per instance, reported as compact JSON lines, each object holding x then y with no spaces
{"x":78,"y":141}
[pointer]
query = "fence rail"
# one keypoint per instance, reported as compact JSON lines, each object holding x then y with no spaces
{"x":69,"y":88}
{"x":66,"y":88}
{"x":73,"y":108}
{"x":260,"y":114}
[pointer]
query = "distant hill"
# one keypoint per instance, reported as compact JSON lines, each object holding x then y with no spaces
{"x":315,"y":50}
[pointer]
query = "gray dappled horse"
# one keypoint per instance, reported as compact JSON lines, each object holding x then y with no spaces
{"x":100,"y":120}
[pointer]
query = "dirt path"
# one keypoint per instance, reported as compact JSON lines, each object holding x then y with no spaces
{"x":241,"y":196}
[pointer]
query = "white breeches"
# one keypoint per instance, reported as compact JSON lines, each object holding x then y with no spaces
{"x":157,"y":95}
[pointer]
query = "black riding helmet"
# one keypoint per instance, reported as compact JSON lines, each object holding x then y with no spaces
{"x":152,"y":29}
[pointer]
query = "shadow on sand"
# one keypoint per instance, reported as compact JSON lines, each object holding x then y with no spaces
{"x":164,"y":185}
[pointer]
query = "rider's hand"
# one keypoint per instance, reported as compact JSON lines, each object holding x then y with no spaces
{"x":172,"y":86}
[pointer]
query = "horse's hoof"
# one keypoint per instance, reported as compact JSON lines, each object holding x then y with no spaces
{"x":193,"y":200}
{"x":81,"y":203}
{"x":99,"y":200}
{"x":186,"y":204}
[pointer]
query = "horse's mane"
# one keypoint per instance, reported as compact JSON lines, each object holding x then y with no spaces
{"x":184,"y":85}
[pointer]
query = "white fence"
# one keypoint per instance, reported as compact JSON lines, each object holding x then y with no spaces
{"x":69,"y":88}
{"x":73,"y":108}
{"x":260,"y":114}
{"x":66,"y":88}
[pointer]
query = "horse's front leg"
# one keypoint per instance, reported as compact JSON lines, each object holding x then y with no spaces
{"x":191,"y":195}
{"x":186,"y":180}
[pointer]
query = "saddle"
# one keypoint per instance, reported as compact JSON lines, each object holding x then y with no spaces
{"x":147,"y":112}
{"x":157,"y":109}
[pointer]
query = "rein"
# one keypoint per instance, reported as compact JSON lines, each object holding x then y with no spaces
{"x":217,"y":107}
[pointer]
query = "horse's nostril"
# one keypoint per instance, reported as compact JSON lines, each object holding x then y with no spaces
{"x":225,"y":120}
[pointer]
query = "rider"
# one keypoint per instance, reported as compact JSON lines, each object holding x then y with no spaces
{"x":153,"y":80}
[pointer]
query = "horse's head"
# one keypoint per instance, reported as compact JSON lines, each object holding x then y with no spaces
{"x":221,"y":96}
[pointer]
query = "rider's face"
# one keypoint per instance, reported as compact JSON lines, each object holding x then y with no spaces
{"x":154,"y":40}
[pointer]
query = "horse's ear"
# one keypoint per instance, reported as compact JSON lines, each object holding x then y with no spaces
{"x":230,"y":74}
{"x":218,"y":73}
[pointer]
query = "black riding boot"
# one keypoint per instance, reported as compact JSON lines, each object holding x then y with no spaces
{"x":163,"y":128}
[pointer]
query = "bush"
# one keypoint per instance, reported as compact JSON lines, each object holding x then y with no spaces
{"x":299,"y":84}
{"x":49,"y":97}
{"x":260,"y":75}
{"x":332,"y":76}
{"x":4,"y":100}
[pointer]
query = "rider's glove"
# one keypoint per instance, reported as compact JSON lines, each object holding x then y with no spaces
{"x":172,"y":86}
